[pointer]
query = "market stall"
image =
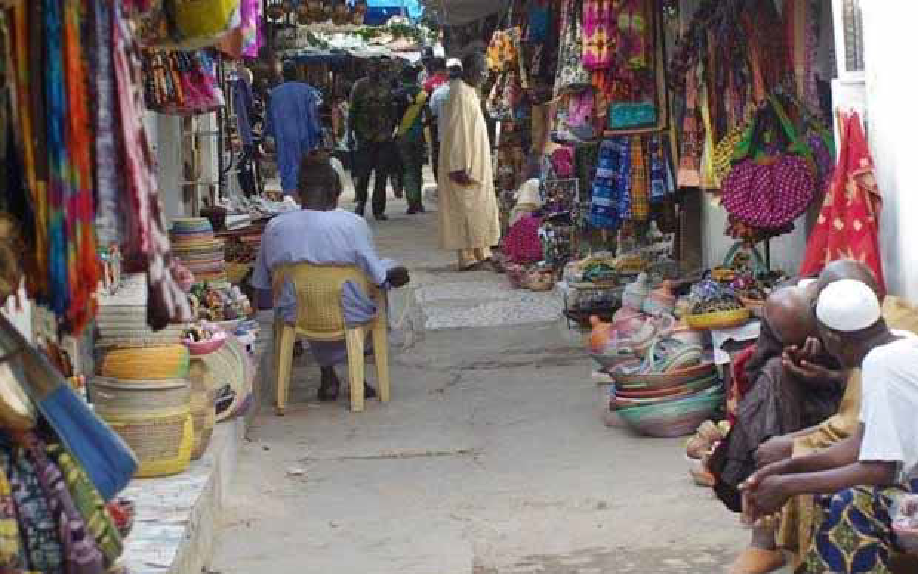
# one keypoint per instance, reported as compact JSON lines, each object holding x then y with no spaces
{"x":124,"y":343}
{"x":616,"y":120}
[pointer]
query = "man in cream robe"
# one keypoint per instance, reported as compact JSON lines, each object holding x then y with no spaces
{"x":468,"y":211}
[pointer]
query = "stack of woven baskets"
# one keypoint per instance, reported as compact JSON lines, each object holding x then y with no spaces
{"x":194,"y":244}
{"x":122,"y":318}
{"x":144,"y":395}
{"x":669,"y":393}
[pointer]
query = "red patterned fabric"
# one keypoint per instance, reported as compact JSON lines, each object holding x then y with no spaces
{"x":848,"y":223}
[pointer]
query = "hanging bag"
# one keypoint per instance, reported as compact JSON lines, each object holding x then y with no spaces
{"x":200,"y":23}
{"x":771,"y":191}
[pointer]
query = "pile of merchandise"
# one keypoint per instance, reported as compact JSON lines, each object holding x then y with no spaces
{"x":194,"y":244}
{"x":183,"y":83}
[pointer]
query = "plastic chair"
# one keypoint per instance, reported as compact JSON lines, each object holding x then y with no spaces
{"x":319,"y":317}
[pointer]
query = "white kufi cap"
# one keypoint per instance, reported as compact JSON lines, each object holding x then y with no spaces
{"x":848,"y":305}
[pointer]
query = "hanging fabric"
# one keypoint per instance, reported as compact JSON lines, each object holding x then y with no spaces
{"x":147,"y":246}
{"x":83,"y":269}
{"x":640,"y":186}
{"x":848,"y":223}
{"x":598,"y":43}
{"x":571,"y":73}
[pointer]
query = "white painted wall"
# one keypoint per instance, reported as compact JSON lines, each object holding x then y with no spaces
{"x":786,"y":250}
{"x":892,"y":127}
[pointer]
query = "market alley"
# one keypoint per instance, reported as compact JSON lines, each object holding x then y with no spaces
{"x":491,"y":458}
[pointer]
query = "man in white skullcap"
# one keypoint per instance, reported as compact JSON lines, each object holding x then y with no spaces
{"x":858,"y":476}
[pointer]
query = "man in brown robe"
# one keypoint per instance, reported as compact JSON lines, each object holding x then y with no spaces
{"x":781,"y":400}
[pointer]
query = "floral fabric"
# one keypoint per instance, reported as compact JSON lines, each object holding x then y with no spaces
{"x":571,"y":71}
{"x":854,"y":532}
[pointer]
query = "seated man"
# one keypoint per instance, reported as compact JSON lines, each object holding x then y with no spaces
{"x":322,"y":234}
{"x":857,"y":476}
{"x":778,"y":402}
{"x":795,"y":527}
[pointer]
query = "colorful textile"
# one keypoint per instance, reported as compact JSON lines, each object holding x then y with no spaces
{"x":83,"y":268}
{"x":91,"y":507}
{"x":848,"y":223}
{"x":147,"y":245}
{"x":611,"y":189}
{"x":854,"y":531}
{"x":522,"y":243}
{"x":11,"y":556}
{"x":39,"y":529}
{"x":689,"y":174}
{"x":570,"y":72}
{"x":110,"y":221}
{"x":31,"y":134}
{"x":661,"y":176}
{"x":81,"y":555}
{"x":598,"y":43}
{"x":635,"y":32}
{"x":640,"y":187}
{"x":59,"y":182}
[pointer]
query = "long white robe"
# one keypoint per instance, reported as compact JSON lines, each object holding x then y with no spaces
{"x":468,"y":214}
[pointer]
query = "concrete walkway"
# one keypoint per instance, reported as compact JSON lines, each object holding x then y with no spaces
{"x":491,"y":458}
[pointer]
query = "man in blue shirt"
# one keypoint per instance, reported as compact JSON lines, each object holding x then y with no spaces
{"x":293,"y":122}
{"x":322,"y":234}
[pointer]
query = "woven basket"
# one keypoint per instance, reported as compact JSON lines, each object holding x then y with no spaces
{"x":693,"y":386}
{"x":229,"y":366}
{"x":164,"y":362}
{"x":153,"y":418}
{"x":718,"y":319}
{"x":667,"y":380}
{"x":203,"y":412}
{"x":674,"y":418}
{"x":541,"y":281}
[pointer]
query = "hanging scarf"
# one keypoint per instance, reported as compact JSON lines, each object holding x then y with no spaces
{"x":110,"y":227}
{"x":84,"y":270}
{"x":848,"y":224}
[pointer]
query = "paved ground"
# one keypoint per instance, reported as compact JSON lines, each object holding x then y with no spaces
{"x":492,"y":457}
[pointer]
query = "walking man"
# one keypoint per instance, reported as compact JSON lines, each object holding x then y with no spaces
{"x":412,"y":147}
{"x":468,"y":205}
{"x":293,"y":122}
{"x":371,"y":125}
{"x":438,"y":99}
